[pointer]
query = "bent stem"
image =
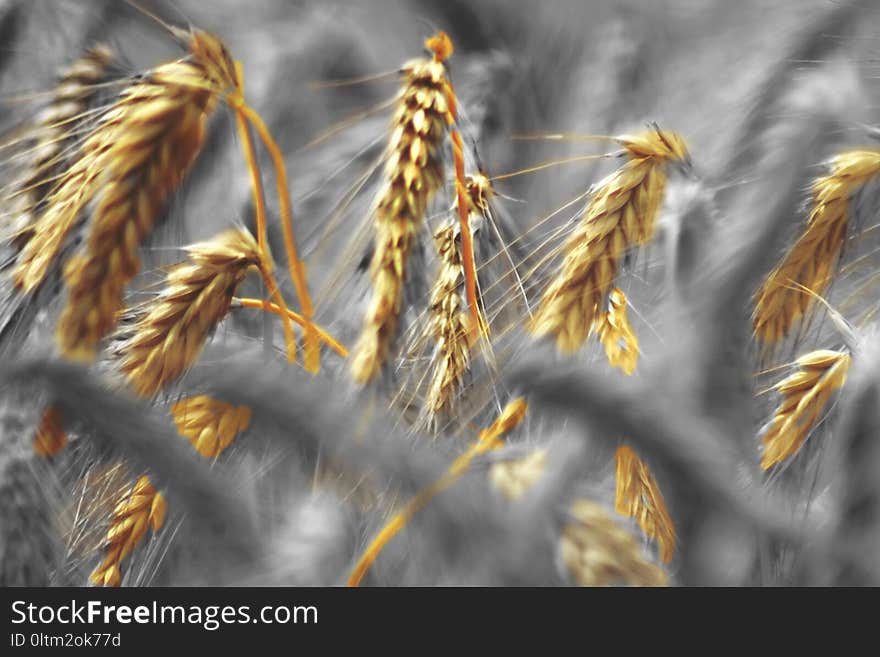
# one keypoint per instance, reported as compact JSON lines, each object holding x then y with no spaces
{"x":268,"y":306}
{"x":489,"y":439}
{"x":296,"y":267}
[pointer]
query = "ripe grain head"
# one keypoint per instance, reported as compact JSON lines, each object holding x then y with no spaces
{"x":171,"y":330}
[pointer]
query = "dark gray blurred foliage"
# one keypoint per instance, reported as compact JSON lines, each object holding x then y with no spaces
{"x":762,"y":90}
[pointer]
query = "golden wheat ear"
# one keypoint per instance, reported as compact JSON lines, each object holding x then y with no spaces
{"x":52,"y":142}
{"x":811,"y":263}
{"x":413,"y":174}
{"x":490,"y":438}
{"x":141,"y":508}
{"x":804,"y":396}
{"x":621,"y":215}
{"x":450,"y":325}
{"x":209,"y":424}
{"x":170,"y":331}
{"x":638,"y":496}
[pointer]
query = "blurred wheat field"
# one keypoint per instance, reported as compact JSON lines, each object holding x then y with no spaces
{"x":439,"y":293}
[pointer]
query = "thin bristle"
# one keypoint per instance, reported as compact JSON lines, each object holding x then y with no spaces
{"x":616,"y":334}
{"x":169,"y":334}
{"x":599,"y":552}
{"x":142,"y":507}
{"x":414,"y":172}
{"x":209,"y":424}
{"x":810,"y":265}
{"x":621,"y":215}
{"x":450,"y":324}
{"x":805,"y":394}
{"x":638,"y":496}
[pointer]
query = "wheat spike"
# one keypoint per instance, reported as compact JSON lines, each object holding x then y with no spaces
{"x":170,"y":331}
{"x":413,"y":173}
{"x":805,"y":394}
{"x":515,"y":478}
{"x":616,"y":334}
{"x":599,"y":552}
{"x":620,"y":215}
{"x":50,"y":437}
{"x":209,"y":424}
{"x":143,"y":506}
{"x":810,"y":264}
{"x":152,"y":135}
{"x":638,"y":496}
{"x":55,"y":129}
{"x":450,"y":324}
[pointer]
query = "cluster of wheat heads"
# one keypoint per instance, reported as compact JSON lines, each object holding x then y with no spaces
{"x":445,"y":474}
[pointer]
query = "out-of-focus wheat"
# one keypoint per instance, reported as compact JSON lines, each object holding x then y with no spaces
{"x":808,"y":268}
{"x":514,"y":478}
{"x":55,"y":130}
{"x":616,"y":334}
{"x":142,"y":507}
{"x":171,"y":330}
{"x":50,"y":437}
{"x":805,"y":394}
{"x":638,"y":496}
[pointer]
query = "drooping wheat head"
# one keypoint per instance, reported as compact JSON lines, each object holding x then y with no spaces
{"x":170,"y":330}
{"x":450,"y":325}
{"x":638,"y":496}
{"x":413,"y":173}
{"x":55,"y":129}
{"x":620,"y":215}
{"x":599,"y":552}
{"x":141,"y":508}
{"x":804,"y":394}
{"x":209,"y":424}
{"x":149,"y":140}
{"x":616,"y":334}
{"x":50,"y":437}
{"x":810,"y":264}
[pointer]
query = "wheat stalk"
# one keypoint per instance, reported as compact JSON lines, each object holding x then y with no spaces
{"x":450,"y":325}
{"x":56,"y":128}
{"x":620,"y":215}
{"x":616,"y":334}
{"x":151,"y":137}
{"x":171,"y":330}
{"x":809,"y":266}
{"x":209,"y":424}
{"x":490,"y":438}
{"x":142,"y":507}
{"x":599,"y":552}
{"x":638,"y":496}
{"x":804,"y":394}
{"x":50,"y":437}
